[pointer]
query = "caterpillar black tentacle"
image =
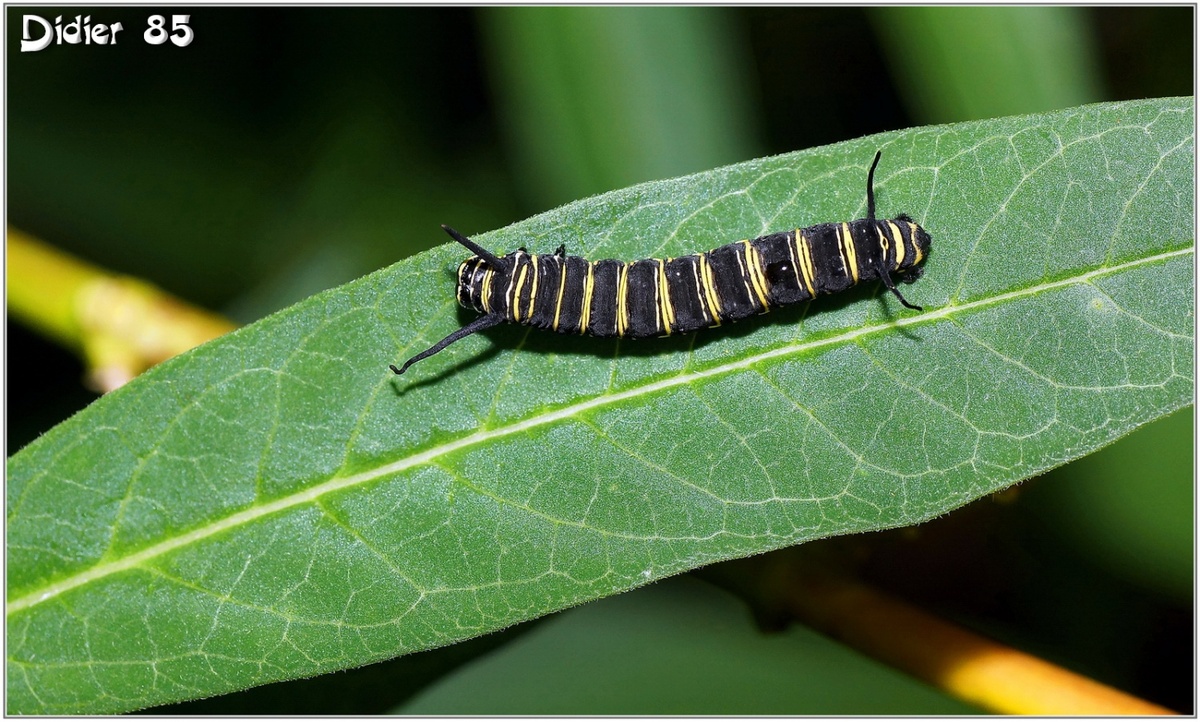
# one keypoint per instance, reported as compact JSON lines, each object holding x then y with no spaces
{"x":660,"y":297}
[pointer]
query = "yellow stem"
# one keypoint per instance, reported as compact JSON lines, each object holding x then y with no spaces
{"x":121,"y":325}
{"x":965,"y":665}
{"x":971,"y":667}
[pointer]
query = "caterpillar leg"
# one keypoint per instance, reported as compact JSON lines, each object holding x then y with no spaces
{"x":891,"y":285}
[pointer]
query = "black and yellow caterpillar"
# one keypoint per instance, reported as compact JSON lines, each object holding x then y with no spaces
{"x":659,"y":297}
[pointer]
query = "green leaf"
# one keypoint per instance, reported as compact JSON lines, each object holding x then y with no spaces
{"x":581,"y":91}
{"x":276,"y":504}
{"x":963,"y":63}
{"x":645,"y":647}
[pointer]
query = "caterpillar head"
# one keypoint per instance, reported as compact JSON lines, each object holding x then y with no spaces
{"x":475,"y":273}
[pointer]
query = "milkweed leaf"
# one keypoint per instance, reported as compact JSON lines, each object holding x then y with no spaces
{"x":277,"y":504}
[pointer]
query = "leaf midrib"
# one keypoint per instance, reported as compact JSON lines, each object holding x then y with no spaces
{"x":482,"y":437}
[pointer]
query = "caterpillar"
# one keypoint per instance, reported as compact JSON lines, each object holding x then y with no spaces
{"x":660,"y":297}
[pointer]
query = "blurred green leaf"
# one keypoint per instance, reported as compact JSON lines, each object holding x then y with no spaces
{"x":275,"y":504}
{"x":964,"y":63}
{"x":596,"y":98}
{"x":666,"y":649}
